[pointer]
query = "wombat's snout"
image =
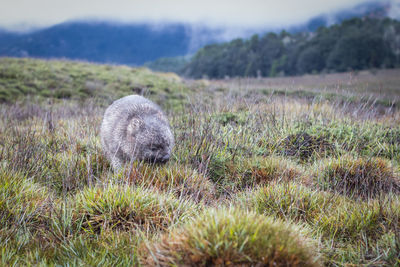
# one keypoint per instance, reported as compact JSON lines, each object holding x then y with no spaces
{"x":162,"y":160}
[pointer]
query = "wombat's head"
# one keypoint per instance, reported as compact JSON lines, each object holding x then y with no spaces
{"x":150,"y":138}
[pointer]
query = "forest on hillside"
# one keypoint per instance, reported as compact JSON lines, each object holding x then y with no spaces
{"x":355,"y":44}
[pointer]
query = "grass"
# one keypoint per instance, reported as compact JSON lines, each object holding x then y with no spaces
{"x":23,"y":202}
{"x":79,"y":81}
{"x":127,"y":209}
{"x":359,"y":178}
{"x":313,"y":160}
{"x":342,"y":224}
{"x":229,"y":237}
{"x":183,"y":181}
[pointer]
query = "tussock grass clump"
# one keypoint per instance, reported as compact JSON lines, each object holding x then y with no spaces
{"x":109,"y":248}
{"x":181,"y":180}
{"x":333,"y":215}
{"x":344,"y":225}
{"x":230,"y":176}
{"x":292,"y":200}
{"x":263,"y":170}
{"x":358,"y":177}
{"x":22,"y":202}
{"x":126,"y":208}
{"x":233,"y":237}
{"x":304,"y":145}
{"x":73,"y":170}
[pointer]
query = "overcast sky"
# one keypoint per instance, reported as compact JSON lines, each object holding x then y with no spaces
{"x":21,"y":14}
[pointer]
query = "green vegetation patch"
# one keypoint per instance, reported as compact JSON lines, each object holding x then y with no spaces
{"x":233,"y":237}
{"x":126,"y":209}
{"x":57,"y":79}
{"x":304,"y":145}
{"x":181,"y":180}
{"x":344,"y":225}
{"x":358,"y":177}
{"x":241,"y":173}
{"x":22,"y":202}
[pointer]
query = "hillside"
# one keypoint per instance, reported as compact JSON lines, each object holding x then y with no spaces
{"x":293,"y":171}
{"x":99,"y":42}
{"x":355,"y":44}
{"x":62,"y":80}
{"x":137,"y":43}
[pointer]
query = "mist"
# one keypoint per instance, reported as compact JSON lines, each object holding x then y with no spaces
{"x":22,"y":15}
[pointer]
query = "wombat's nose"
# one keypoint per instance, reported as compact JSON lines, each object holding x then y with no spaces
{"x":164,"y":159}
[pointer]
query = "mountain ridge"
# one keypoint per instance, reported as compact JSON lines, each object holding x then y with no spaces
{"x":136,"y":44}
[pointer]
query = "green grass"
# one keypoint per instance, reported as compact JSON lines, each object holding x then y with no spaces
{"x":233,"y":237}
{"x":24,"y":77}
{"x":127,"y":209}
{"x":342,"y":224}
{"x":320,"y":173}
{"x":359,"y":178}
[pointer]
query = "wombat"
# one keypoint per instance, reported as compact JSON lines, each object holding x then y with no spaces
{"x":134,"y":128}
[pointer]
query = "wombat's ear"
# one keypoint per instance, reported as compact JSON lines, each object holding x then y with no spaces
{"x":134,"y":125}
{"x":161,"y":117}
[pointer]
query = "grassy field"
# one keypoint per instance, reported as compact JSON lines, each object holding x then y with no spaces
{"x":301,"y":171}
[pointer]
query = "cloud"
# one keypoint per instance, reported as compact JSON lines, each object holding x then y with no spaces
{"x":394,"y":11}
{"x":235,"y":13}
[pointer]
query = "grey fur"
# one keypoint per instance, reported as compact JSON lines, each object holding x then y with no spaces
{"x":134,"y":128}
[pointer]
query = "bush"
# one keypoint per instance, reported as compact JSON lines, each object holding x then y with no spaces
{"x":231,"y":237}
